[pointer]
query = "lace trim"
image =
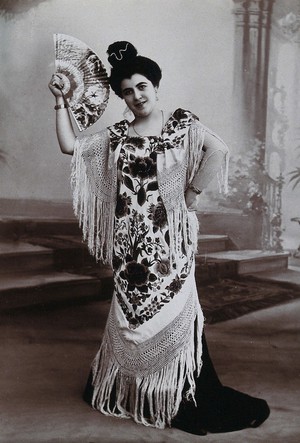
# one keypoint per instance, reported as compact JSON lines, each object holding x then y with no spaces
{"x":147,"y":383}
{"x":93,"y":205}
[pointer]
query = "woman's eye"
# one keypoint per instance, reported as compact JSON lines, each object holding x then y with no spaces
{"x":142,"y":87}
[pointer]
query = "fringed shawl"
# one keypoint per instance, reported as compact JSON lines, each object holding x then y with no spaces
{"x":94,"y":183}
{"x":147,"y":380}
{"x":143,"y":373}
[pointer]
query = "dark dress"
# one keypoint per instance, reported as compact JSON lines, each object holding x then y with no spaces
{"x":219,"y":408}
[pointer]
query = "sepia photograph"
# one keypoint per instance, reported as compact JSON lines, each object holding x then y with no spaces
{"x":150,"y":221}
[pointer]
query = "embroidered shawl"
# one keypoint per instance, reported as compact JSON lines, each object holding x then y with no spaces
{"x":143,"y":373}
{"x":94,"y":181}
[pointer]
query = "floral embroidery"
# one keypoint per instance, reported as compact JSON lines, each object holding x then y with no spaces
{"x":136,"y":274}
{"x":134,"y":142}
{"x":144,"y":279}
{"x":175,"y":285}
{"x":158,"y":215}
{"x":142,"y":167}
{"x":123,"y":203}
{"x":163,"y":267}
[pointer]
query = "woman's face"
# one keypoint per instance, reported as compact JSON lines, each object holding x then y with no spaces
{"x":139,"y":95}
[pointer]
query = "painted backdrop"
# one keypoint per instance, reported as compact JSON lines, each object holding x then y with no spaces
{"x":197,"y":45}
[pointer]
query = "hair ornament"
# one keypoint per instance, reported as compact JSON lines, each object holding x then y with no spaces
{"x":120,"y":53}
{"x":120,"y":57}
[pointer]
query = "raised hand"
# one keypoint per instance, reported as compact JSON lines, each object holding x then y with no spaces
{"x":56,"y":84}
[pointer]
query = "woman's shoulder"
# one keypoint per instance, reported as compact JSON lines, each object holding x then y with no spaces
{"x":119,"y":129}
{"x":180,"y":120}
{"x":88,"y":142}
{"x":184,"y":114}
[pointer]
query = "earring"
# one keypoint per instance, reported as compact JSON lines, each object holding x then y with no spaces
{"x":128,"y":114}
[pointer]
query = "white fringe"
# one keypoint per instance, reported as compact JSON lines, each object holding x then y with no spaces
{"x":151,"y":399}
{"x":96,"y":218}
{"x":183,"y":229}
{"x":195,"y":145}
{"x":195,"y":142}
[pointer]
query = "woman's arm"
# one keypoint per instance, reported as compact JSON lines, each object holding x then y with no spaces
{"x":64,"y":129}
{"x":215,"y":152}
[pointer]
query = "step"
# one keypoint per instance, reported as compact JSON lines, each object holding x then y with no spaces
{"x":208,"y":269}
{"x":20,"y":290}
{"x":66,"y":241}
{"x":212,"y":243}
{"x":251,"y":261}
{"x":18,"y":227}
{"x":18,"y":256}
{"x":70,"y":252}
{"x":287,"y":277}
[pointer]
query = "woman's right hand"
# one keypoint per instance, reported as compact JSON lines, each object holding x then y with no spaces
{"x":56,"y":85}
{"x":64,"y":128}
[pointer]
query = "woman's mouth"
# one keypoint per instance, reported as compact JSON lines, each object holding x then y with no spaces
{"x":140,"y":104}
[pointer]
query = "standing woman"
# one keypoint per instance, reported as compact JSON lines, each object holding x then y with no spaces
{"x":134,"y":186}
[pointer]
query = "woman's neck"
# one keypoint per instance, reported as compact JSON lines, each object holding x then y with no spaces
{"x":151,"y":124}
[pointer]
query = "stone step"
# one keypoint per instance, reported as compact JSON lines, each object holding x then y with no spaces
{"x":207,"y":243}
{"x":286,"y":277}
{"x":250,"y":261}
{"x":18,"y":227}
{"x":212,"y":243}
{"x":18,"y":256}
{"x":210,"y":269}
{"x":70,"y":252}
{"x":45,"y":253}
{"x":20,"y":290}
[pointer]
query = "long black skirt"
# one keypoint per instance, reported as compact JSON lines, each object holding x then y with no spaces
{"x":219,"y":408}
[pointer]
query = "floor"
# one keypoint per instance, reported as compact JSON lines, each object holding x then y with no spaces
{"x":45,"y":358}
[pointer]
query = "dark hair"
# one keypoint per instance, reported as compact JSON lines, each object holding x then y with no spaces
{"x":125,"y":63}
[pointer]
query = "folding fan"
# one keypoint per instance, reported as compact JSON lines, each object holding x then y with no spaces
{"x":86,"y":87}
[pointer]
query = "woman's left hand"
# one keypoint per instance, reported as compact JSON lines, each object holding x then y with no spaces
{"x":191,"y":199}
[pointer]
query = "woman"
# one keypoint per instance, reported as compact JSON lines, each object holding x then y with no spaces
{"x":134,"y":188}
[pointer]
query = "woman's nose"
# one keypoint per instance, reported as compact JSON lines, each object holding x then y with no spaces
{"x":137,"y":94}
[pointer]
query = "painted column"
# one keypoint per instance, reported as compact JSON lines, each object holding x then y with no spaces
{"x":252,"y":49}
